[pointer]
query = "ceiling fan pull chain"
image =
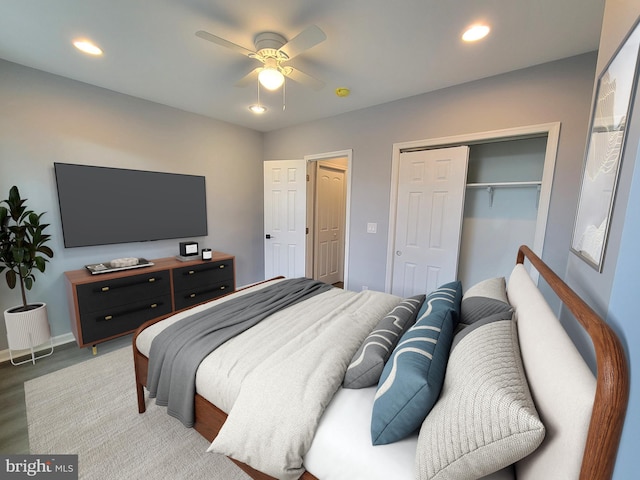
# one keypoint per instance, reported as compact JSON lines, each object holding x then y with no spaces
{"x":284,"y":93}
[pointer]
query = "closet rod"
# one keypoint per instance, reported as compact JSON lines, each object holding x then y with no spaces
{"x":504,"y":184}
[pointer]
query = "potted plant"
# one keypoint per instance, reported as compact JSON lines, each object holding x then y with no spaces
{"x":22,"y":253}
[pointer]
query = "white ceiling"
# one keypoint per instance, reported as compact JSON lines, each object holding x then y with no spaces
{"x":382,"y":50}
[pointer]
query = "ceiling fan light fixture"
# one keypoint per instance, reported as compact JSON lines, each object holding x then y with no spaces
{"x":271,"y":78}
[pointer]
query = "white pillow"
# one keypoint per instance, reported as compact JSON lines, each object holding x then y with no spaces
{"x":485,"y":418}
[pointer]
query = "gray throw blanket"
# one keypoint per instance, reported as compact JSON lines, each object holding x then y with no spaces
{"x":177,"y":351}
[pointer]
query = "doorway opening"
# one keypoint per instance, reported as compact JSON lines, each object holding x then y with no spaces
{"x":328,"y":212}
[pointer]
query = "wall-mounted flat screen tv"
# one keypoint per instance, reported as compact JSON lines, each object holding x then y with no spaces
{"x":103,"y":205}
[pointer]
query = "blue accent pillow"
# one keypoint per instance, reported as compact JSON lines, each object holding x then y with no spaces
{"x":412,"y":378}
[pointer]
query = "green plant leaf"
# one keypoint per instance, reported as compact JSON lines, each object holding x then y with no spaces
{"x":18,"y":254}
{"x":14,"y":195}
{"x":40,"y":263}
{"x":11,"y":278}
{"x":45,"y":251}
{"x":25,"y":270}
{"x":16,"y":204}
{"x":28,"y":283}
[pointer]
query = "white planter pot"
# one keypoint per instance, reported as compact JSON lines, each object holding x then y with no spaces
{"x":27,"y":330}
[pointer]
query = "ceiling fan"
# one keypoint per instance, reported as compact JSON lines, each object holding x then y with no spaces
{"x":274,"y":51}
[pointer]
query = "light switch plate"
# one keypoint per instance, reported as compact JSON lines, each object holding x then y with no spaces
{"x":372,"y":227}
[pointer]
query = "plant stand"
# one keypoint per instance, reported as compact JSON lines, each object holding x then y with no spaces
{"x":27,"y":330}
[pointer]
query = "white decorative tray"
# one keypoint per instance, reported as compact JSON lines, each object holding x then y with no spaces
{"x":117,"y":265}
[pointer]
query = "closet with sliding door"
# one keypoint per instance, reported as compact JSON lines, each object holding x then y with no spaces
{"x":505,"y":187}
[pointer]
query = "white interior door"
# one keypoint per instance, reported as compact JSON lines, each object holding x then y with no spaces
{"x":329,"y":228}
{"x":431,"y":188}
{"x":285,"y":184}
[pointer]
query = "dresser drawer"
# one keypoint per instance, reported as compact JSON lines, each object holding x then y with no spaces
{"x":202,"y":276}
{"x":202,"y":293}
{"x":120,"y":291}
{"x":118,"y":320}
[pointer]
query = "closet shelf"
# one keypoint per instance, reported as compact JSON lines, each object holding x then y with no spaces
{"x":491,"y":186}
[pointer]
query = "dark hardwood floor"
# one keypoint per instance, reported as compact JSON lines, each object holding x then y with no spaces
{"x":14,"y":438}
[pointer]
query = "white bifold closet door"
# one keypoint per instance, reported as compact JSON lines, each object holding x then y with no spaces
{"x":431,"y":189}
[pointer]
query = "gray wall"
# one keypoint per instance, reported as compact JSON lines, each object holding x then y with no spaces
{"x":46,"y":118}
{"x":558,"y":91}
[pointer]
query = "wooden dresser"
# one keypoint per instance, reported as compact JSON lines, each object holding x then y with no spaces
{"x":109,"y":305}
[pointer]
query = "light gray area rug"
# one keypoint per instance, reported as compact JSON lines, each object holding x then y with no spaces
{"x":90,"y":409}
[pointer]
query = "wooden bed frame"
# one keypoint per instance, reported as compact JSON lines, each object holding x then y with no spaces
{"x":609,"y":408}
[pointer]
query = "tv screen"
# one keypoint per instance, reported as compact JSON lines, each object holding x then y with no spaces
{"x":102,"y":205}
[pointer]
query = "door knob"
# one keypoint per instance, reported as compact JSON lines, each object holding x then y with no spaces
{"x":398,"y":253}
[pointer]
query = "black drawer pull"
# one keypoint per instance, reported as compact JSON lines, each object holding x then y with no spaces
{"x":191,"y":272}
{"x":114,"y":288}
{"x":205,"y":292}
{"x":221,"y":266}
{"x":130,"y":311}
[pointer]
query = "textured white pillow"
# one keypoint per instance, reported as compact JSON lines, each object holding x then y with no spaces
{"x":485,"y":418}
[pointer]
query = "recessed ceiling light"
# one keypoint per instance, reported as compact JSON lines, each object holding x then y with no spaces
{"x":475,"y":33}
{"x":258,"y":109}
{"x":87,"y":47}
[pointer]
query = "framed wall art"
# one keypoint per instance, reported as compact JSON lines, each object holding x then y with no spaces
{"x":610,"y":116}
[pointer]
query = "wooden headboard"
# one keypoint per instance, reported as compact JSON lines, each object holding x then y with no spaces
{"x":612,"y":379}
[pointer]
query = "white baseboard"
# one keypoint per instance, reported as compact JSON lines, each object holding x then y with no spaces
{"x":58,"y":340}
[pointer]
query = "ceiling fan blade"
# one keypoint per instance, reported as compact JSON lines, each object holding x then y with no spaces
{"x":309,"y":37}
{"x":224,"y":43}
{"x":249,"y":78}
{"x":305,"y":79}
